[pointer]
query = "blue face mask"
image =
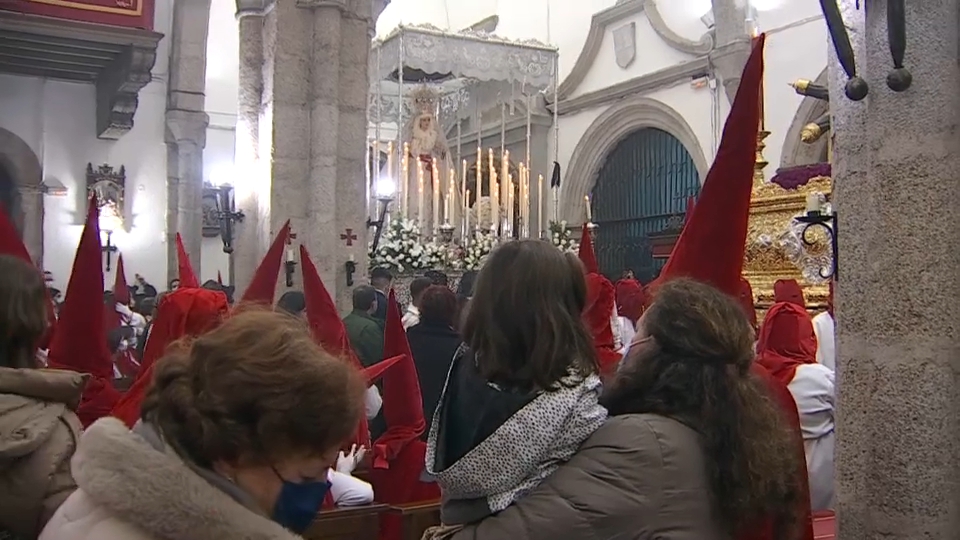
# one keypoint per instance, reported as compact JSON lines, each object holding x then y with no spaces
{"x":298,"y":504}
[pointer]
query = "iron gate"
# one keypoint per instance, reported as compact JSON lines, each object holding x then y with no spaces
{"x":644,"y":182}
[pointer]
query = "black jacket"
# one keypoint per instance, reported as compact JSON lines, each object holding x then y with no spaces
{"x":433,"y":347}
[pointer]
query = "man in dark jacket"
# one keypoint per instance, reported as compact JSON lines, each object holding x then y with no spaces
{"x":365,"y":333}
{"x":381,"y":279}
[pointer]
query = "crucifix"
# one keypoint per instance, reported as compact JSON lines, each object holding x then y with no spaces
{"x":349,"y":237}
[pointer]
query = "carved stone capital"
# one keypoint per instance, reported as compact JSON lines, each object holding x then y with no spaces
{"x":728,"y":61}
{"x":253,"y":8}
{"x":186,"y":127}
{"x":117,"y":90}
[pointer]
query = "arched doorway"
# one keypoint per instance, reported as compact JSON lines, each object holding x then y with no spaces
{"x":10,"y":198}
{"x":644,"y":182}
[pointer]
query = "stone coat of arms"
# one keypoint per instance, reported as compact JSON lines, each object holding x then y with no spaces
{"x":625,"y":44}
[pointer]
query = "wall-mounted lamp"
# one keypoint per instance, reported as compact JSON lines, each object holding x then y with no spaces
{"x":107,"y":186}
{"x":815,"y":216}
{"x":220,"y":214}
{"x":385,"y":189}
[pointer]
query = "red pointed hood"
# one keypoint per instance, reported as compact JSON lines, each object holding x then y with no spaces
{"x":263,"y":286}
{"x":80,"y":343}
{"x":11,"y":244}
{"x":121,"y":292}
{"x":830,"y":299}
{"x":402,"y":401}
{"x":788,"y":290}
{"x":187,"y":277}
{"x":630,"y":299}
{"x":181,"y":313}
{"x":711,"y":247}
{"x":587,"y":256}
{"x":786,"y":341}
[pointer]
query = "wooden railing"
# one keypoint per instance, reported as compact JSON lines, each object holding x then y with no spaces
{"x":417,"y":517}
{"x":353,"y":523}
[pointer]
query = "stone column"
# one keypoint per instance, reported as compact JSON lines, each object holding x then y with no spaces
{"x":732,"y":44}
{"x":311,"y":135}
{"x":186,"y":128}
{"x":896,"y":164}
{"x":31,"y":203}
{"x":253,"y":181}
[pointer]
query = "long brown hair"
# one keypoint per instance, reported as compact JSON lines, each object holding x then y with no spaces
{"x":524,"y":320}
{"x":256,"y":388}
{"x":23,"y":312}
{"x":695,"y":367}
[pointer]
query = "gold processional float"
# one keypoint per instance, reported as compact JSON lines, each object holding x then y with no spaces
{"x":775,"y":249}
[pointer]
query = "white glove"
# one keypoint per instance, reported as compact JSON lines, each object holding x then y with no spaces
{"x":347,"y":463}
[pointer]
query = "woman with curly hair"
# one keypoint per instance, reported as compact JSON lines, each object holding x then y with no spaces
{"x":694,"y":448}
{"x":238,"y":434}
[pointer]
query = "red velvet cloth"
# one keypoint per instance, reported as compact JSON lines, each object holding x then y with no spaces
{"x":746,"y":301}
{"x":184,"y":312}
{"x":400,"y":484}
{"x":630,"y":299}
{"x":80,"y":344}
{"x":711,"y":247}
{"x":787,"y":340}
{"x":788,"y":290}
{"x":402,"y":401}
{"x":263,"y":286}
{"x":784,"y":401}
{"x":597,"y":316}
{"x":126,"y":363}
{"x":185,"y":273}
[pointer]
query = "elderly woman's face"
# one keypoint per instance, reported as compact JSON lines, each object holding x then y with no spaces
{"x":266,"y":483}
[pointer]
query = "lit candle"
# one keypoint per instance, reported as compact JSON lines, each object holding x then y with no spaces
{"x":586,"y":198}
{"x":436,"y":197}
{"x":510,"y":214}
{"x":463,"y":184}
{"x":539,"y":205}
{"x":420,"y":181}
{"x":404,"y":182}
{"x":505,"y":164}
{"x":813,"y":203}
{"x":390,"y":159}
{"x":448,"y":200}
{"x":494,"y":193}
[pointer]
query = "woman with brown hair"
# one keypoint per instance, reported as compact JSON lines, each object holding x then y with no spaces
{"x":239,"y":431}
{"x":38,"y":424}
{"x":693,"y":448}
{"x":522,"y":393}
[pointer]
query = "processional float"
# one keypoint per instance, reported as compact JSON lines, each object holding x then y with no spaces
{"x":429,"y":86}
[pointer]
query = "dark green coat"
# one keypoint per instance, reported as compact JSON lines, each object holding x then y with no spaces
{"x":366,"y":337}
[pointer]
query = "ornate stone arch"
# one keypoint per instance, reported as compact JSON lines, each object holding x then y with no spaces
{"x":603,"y":136}
{"x":22,"y":165}
{"x":796,"y":152}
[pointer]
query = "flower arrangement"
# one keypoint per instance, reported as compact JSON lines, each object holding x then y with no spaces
{"x":560,"y":236}
{"x":476,"y":253}
{"x":400,"y":248}
{"x":437,"y":255}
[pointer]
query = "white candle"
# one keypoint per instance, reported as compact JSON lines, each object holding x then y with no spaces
{"x":813,"y":203}
{"x":539,"y":205}
{"x":390,"y":157}
{"x":466,"y":217}
{"x":290,"y":255}
{"x":436,"y":197}
{"x":404,"y":182}
{"x":420,"y":180}
{"x":586,"y":199}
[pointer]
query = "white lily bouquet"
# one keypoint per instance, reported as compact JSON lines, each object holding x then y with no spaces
{"x":560,"y":236}
{"x":400,"y":248}
{"x":478,"y":250}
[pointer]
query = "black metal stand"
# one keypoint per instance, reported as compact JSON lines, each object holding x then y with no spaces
{"x":109,"y":249}
{"x":830,"y":223}
{"x":227,"y":214}
{"x":379,"y":223}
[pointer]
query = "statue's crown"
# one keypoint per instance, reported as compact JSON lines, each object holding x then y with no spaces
{"x":424,"y":100}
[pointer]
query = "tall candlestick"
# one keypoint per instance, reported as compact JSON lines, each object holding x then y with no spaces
{"x":404,"y":181}
{"x":511,"y":221}
{"x":526,"y":205}
{"x":436,"y":198}
{"x":586,"y":199}
{"x":448,"y":200}
{"x":494,"y":194}
{"x":420,"y":180}
{"x":539,"y":205}
{"x":505,"y":164}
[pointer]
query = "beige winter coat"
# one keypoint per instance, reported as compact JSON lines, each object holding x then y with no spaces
{"x":131,"y":490}
{"x":638,"y":477}
{"x":38,"y":435}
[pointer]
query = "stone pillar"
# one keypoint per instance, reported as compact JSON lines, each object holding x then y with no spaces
{"x":896,"y":164}
{"x":311,"y":135}
{"x":732,"y":44}
{"x":31,"y":203}
{"x":186,"y":128}
{"x":253,"y":181}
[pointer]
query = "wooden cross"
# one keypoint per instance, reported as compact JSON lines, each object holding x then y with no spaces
{"x":349,"y":237}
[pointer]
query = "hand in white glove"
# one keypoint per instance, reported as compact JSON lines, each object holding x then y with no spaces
{"x":347,"y":463}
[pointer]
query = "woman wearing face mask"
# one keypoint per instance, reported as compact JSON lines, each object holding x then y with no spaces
{"x":237,"y":436}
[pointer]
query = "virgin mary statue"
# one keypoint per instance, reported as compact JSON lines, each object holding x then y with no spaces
{"x":428,"y":145}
